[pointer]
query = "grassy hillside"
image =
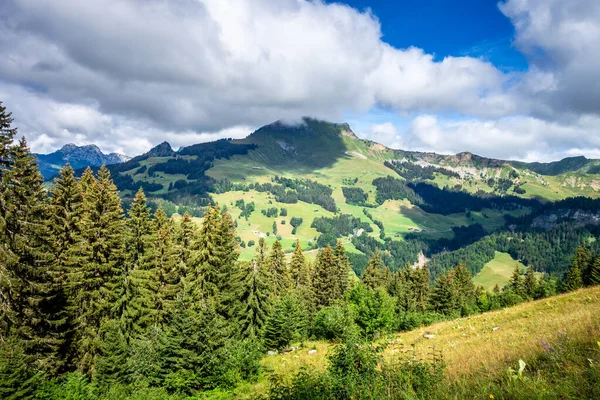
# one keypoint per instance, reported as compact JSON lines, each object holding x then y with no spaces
{"x":477,"y":348}
{"x":498,"y":271}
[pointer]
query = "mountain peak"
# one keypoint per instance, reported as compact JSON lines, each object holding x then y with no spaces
{"x":162,"y":150}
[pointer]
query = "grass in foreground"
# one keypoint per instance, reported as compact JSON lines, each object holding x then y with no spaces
{"x":478,"y":350}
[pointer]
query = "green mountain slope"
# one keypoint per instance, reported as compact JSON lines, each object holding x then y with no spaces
{"x":342,"y":187}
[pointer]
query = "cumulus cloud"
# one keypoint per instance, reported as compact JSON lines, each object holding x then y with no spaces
{"x":189,"y":65}
{"x":515,"y":138}
{"x":128,"y":74}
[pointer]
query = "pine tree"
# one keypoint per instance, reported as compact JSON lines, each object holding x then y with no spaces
{"x":253,"y":299}
{"x":98,"y":280}
{"x":278,"y":269}
{"x":324,"y":283}
{"x":376,"y":274}
{"x":31,"y":293}
{"x":444,"y":297}
{"x":205,"y":275}
{"x":299,"y":268}
{"x":516,"y":282}
{"x":186,"y":239}
{"x":284,"y":324}
{"x":343,"y":268}
{"x":584,"y":261}
{"x":465,"y":289}
{"x":228,"y":266}
{"x":419,"y":284}
{"x":401,"y":289}
{"x":134,"y":305}
{"x":66,"y":241}
{"x":530,"y":283}
{"x":18,"y":380}
{"x":164,"y":265}
{"x":573,"y":278}
{"x":595,"y":272}
{"x":260,"y":255}
{"x":112,"y":365}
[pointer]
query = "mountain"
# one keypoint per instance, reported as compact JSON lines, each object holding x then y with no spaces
{"x":78,"y":157}
{"x":317,"y":182}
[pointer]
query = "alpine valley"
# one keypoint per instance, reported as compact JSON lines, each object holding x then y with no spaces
{"x":317,"y":182}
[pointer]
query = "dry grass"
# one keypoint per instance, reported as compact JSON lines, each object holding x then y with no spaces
{"x":472,"y":344}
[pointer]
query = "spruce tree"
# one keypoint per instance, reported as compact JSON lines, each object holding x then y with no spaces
{"x":112,"y":365}
{"x":465,"y":289}
{"x":343,"y":268}
{"x":228,"y":266}
{"x":444,"y":297}
{"x":285,"y":323}
{"x":595,"y":272}
{"x":530,"y":283}
{"x":31,"y":293}
{"x":325,"y":285}
{"x":573,"y":278}
{"x":134,"y":305}
{"x":376,"y":275}
{"x":516,"y":282}
{"x":260,"y":255}
{"x":66,"y":242}
{"x":253,"y":295}
{"x":278,"y":269}
{"x":164,"y":265}
{"x":299,"y":268}
{"x":97,"y":282}
{"x":205,"y":275}
{"x":584,"y":261}
{"x":186,"y":239}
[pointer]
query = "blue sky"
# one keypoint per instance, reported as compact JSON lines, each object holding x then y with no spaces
{"x":448,"y":28}
{"x":519,"y":79}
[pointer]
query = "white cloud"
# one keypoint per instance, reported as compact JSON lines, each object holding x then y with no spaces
{"x":520,"y":138}
{"x":128,"y":74}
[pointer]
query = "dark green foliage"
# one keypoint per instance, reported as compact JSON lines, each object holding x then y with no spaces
{"x":373,"y":309}
{"x":295,"y":222}
{"x":595,"y":272}
{"x":414,"y":172}
{"x":335,"y":322}
{"x":376,"y":274}
{"x":299,"y":271}
{"x":323,"y":279}
{"x":278,"y":269}
{"x":444,"y":297}
{"x":355,"y":196}
{"x":285,"y":323}
{"x":112,"y":365}
{"x":253,"y":299}
{"x":336,"y":227}
{"x":18,"y":379}
{"x":389,"y":188}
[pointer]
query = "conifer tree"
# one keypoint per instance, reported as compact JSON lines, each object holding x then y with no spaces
{"x":134,"y":304}
{"x":253,"y":296}
{"x":595,"y":272}
{"x":444,"y":297}
{"x":299,"y":268}
{"x":573,"y":278}
{"x":186,"y":239}
{"x":402,"y":290}
{"x":419,"y":284}
{"x":376,"y":274}
{"x":285,"y":323}
{"x":98,"y":280}
{"x":31,"y":292}
{"x":530,"y":283}
{"x":65,"y":221}
{"x":164,"y":265}
{"x":228,"y":266}
{"x":260,"y":255}
{"x":463,"y":281}
{"x":325,"y":286}
{"x":343,"y":268}
{"x":278,"y":269}
{"x":112,"y":365}
{"x":205,"y":275}
{"x":516,"y":282}
{"x":583,"y":261}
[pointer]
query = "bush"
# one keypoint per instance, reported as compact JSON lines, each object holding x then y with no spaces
{"x":251,"y":243}
{"x":335,"y":322}
{"x":373,"y":309}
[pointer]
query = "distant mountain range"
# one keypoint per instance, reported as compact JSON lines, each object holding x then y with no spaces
{"x":78,"y":157}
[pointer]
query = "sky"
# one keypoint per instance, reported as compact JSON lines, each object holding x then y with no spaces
{"x":515,"y":79}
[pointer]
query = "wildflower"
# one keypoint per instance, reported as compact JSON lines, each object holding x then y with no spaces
{"x":491,"y":396}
